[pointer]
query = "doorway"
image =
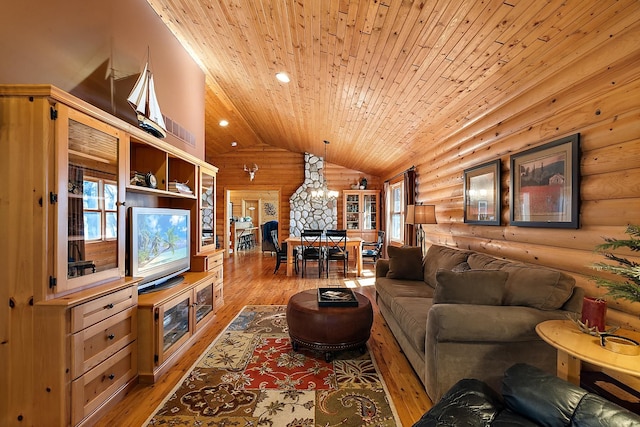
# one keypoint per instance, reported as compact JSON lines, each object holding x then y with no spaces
{"x":261,"y":205}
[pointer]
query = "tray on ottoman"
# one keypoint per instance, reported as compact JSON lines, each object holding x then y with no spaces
{"x":336,"y":297}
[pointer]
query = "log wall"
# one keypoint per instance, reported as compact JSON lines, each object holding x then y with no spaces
{"x":597,"y":96}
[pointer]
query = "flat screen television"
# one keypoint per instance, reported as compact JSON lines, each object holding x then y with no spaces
{"x":159,"y":242}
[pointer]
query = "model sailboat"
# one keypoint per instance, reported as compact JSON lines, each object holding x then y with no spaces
{"x":143,"y":100}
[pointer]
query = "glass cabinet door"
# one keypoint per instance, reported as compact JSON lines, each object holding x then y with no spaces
{"x":175,"y":328}
{"x":90,"y":216}
{"x":370,"y":220}
{"x":204,"y":302}
{"x":352,"y":208}
{"x":207,"y":210}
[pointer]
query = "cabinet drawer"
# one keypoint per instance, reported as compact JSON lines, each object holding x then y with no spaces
{"x":92,"y":312}
{"x":93,"y":388}
{"x":96,"y":343}
{"x":217,"y":274}
{"x":218,"y":295}
{"x":214,"y":261}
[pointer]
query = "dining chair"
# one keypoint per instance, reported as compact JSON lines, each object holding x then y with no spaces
{"x":311,"y":249}
{"x":373,"y":250}
{"x":336,"y":242}
{"x":281,"y":252}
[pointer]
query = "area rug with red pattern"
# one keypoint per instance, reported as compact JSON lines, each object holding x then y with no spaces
{"x":250,"y":376}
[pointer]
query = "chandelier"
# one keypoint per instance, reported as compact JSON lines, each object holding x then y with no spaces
{"x":323,"y":192}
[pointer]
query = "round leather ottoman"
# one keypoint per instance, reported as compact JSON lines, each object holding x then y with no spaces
{"x":328,"y":329}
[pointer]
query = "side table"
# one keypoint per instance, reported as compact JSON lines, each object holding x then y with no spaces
{"x":575,"y":346}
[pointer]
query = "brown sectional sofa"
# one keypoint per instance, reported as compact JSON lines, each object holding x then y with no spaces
{"x":463,"y":314}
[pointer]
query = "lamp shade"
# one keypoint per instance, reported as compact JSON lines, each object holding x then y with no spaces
{"x":410,"y":215}
{"x":424,"y":214}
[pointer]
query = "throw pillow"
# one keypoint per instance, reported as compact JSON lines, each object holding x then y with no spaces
{"x":405,"y":262}
{"x":463,"y":266}
{"x":441,"y":257}
{"x":479,"y":287}
{"x":536,"y":287}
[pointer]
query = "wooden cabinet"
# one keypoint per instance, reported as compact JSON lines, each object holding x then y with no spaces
{"x":70,"y":331}
{"x":361,"y":213}
{"x":170,"y":319}
{"x":62,"y":255}
{"x":87,"y":348}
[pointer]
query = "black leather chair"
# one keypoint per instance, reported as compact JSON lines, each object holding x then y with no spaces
{"x":312,"y":249}
{"x":337,"y":249}
{"x":373,"y":250}
{"x":281,"y":252}
{"x":267,"y":239}
{"x":530,"y":397}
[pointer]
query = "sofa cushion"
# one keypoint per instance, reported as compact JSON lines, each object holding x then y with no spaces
{"x":536,"y":287}
{"x":487,"y":323}
{"x":405,"y":262}
{"x":388,"y":289}
{"x":481,"y":287}
{"x":411,"y":314}
{"x":480,"y":261}
{"x":441,"y":257}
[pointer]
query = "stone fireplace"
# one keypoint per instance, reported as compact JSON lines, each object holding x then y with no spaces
{"x":307,"y":212}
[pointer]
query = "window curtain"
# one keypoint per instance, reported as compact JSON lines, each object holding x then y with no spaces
{"x":76,"y":250}
{"x":409,"y":199}
{"x":384,"y":211}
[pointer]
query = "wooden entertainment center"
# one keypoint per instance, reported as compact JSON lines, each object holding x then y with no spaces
{"x":74,"y":333}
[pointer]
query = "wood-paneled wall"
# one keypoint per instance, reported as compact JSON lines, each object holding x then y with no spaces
{"x":599,"y":98}
{"x":278,"y":170}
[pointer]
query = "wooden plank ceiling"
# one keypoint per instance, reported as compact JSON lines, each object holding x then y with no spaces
{"x":384,"y":80}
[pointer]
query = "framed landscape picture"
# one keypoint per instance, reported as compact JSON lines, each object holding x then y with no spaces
{"x":482,"y":194}
{"x":545,"y":186}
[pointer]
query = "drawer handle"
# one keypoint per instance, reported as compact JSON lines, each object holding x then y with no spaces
{"x":108,"y":306}
{"x":111,"y":336}
{"x":111,"y":376}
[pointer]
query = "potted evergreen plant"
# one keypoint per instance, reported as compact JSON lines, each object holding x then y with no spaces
{"x":629,"y":287}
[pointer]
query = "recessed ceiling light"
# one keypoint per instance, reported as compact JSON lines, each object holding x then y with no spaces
{"x":233,"y":144}
{"x":224,"y":123}
{"x":283,"y":77}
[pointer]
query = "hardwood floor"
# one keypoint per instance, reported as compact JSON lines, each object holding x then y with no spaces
{"x":249,"y":279}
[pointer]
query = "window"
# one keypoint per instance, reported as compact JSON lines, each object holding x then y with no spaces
{"x":100,"y":211}
{"x":396,"y":214}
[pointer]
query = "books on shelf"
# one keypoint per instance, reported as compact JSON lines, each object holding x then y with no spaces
{"x":178,"y":187}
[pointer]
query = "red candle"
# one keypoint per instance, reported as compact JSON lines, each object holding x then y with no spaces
{"x":594,"y":312}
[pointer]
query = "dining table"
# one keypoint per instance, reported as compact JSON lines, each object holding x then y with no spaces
{"x":353,"y":243}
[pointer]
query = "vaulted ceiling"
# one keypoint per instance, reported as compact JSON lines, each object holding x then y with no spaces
{"x":384,"y":81}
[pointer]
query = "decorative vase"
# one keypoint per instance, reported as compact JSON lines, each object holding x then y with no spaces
{"x":594,"y":311}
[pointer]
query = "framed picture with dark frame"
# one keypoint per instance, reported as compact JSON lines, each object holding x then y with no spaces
{"x":482,"y":194}
{"x":545,"y":187}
